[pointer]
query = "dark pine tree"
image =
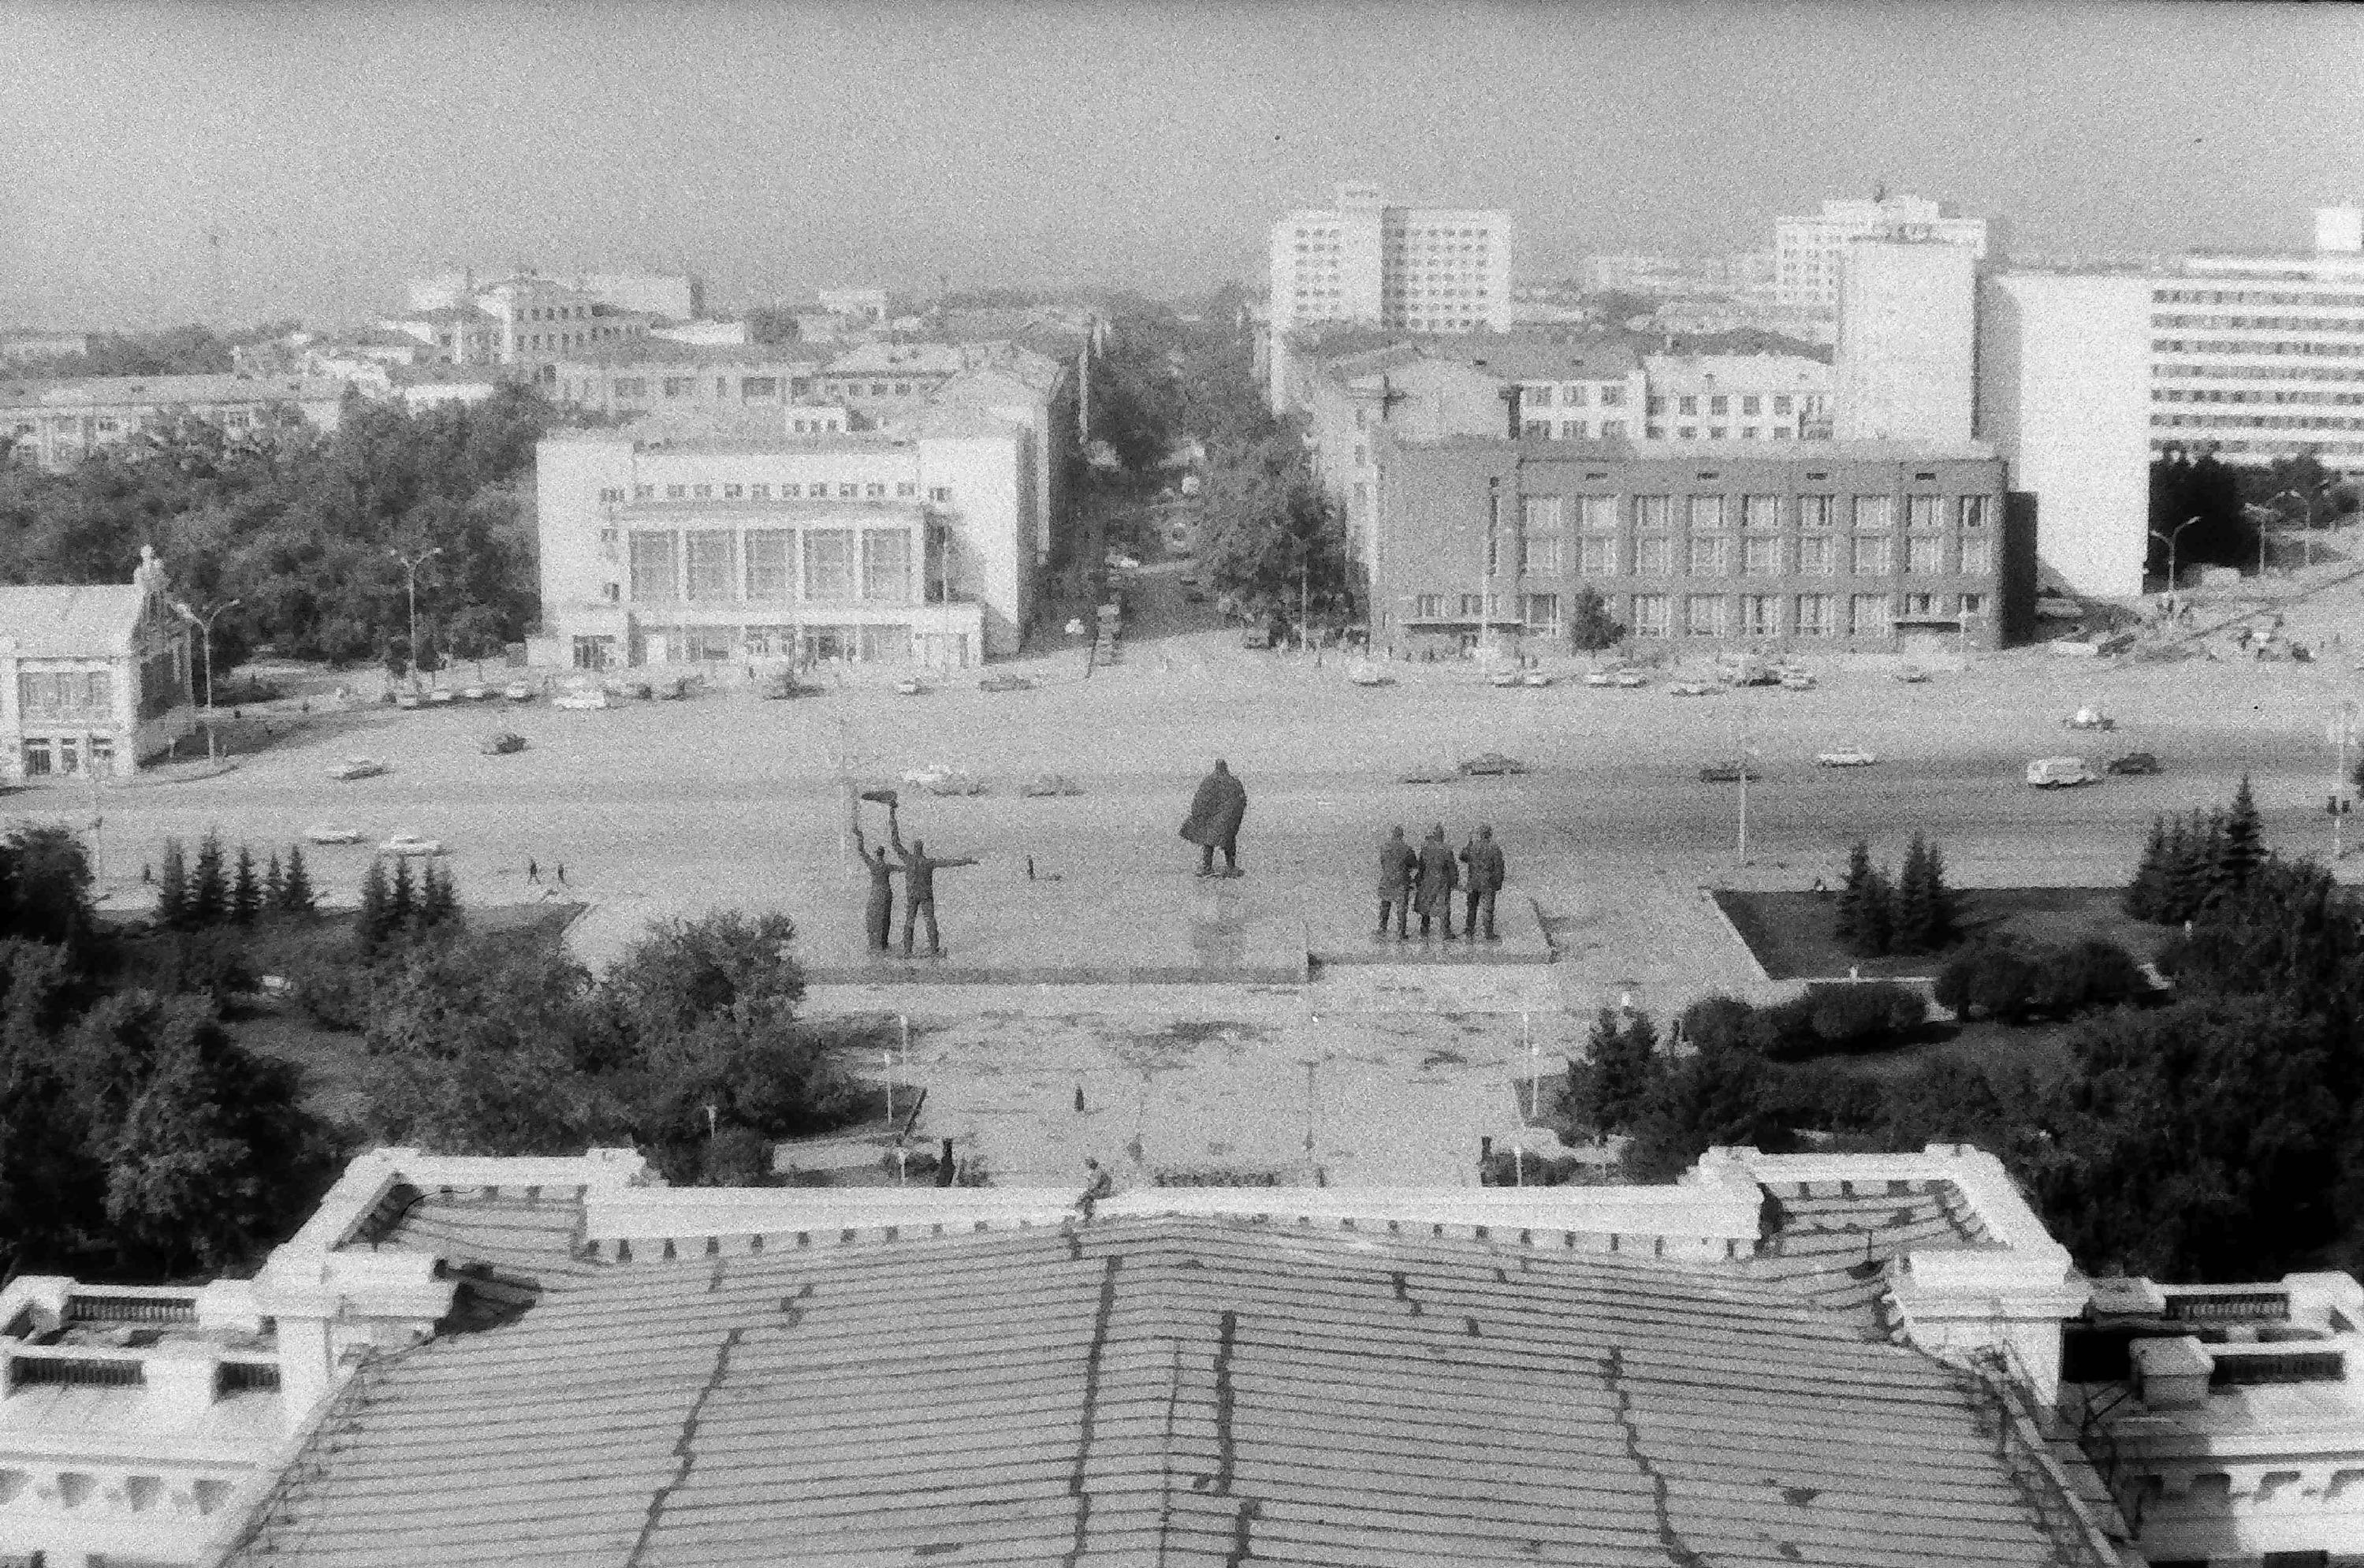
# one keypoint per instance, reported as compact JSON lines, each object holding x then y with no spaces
{"x":210,"y":897}
{"x":2243,"y":843}
{"x":438,"y":900}
{"x":402,"y":898}
{"x":374,"y":925}
{"x":1945,"y":917}
{"x":2208,"y":862}
{"x":298,"y":897}
{"x":172,"y":887}
{"x":274,"y":885}
{"x":1912,"y":908}
{"x":245,"y":892}
{"x":1849,"y":912}
{"x":2146,"y":896}
{"x":1875,"y":918}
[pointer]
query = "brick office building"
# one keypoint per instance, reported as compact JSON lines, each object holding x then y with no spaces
{"x":1846,"y":545}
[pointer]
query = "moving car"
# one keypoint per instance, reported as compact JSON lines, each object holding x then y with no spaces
{"x":2090,"y":718}
{"x":1691,"y":689}
{"x":1729,"y":771}
{"x":1850,"y":756}
{"x":939,"y":779}
{"x":501,"y":745}
{"x":355,"y":768}
{"x":1436,"y":773}
{"x":1050,"y":784}
{"x":325,"y":833}
{"x":1913,"y":675}
{"x":2135,"y":764}
{"x":1366,"y":673}
{"x":1490,"y":764}
{"x":1629,"y":678}
{"x":411,"y":844}
{"x":592,"y":696}
{"x":518,"y":691}
{"x":2059,"y":773}
{"x":1797,"y":680}
{"x":442,"y":697}
{"x":1005,"y":682}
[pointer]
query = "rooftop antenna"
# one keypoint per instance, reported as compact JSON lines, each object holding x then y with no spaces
{"x":213,"y":255}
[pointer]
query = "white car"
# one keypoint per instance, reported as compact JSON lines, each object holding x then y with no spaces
{"x":1629,"y":678}
{"x":593,"y":697}
{"x":1600,"y":677}
{"x":325,"y":833}
{"x":910,"y":686}
{"x":1797,"y":680}
{"x":1691,"y":689}
{"x":443,"y":695}
{"x":1505,"y":678}
{"x":1369,"y":674}
{"x":477,"y":693}
{"x":355,"y":768}
{"x":411,"y":844}
{"x":2059,"y":773}
{"x":1851,"y":756}
{"x":1536,"y":678}
{"x":518,"y":691}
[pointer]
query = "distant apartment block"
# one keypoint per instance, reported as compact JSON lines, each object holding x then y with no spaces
{"x":674,"y":540}
{"x":1808,"y":253}
{"x":868,"y":305}
{"x":1736,"y":397}
{"x":652,"y":376}
{"x":667,"y":297}
{"x":24,"y":347}
{"x":93,"y":680}
{"x":2085,"y":378}
{"x":525,"y":321}
{"x":1844,"y":544}
{"x":55,"y":424}
{"x":1419,"y":269}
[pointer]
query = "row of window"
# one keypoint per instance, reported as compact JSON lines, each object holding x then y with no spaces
{"x":2270,"y":448}
{"x":43,"y":695}
{"x":2250,"y":296}
{"x":762,"y":565}
{"x":819,"y":490}
{"x":2256,"y":422}
{"x":1721,"y":615}
{"x":1543,"y":514}
{"x":725,"y":644}
{"x":46,"y":756}
{"x":2255,"y":345}
{"x":2263,"y":324}
{"x":2221,"y":394}
{"x":2259,"y":372}
{"x":1712,"y":556}
{"x":1749,"y":404}
{"x":1578,"y":395}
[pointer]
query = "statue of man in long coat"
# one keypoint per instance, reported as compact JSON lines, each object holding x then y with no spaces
{"x":1214,"y":821}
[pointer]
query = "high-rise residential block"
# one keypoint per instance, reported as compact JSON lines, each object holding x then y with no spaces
{"x":1908,"y":340}
{"x":1808,"y":253}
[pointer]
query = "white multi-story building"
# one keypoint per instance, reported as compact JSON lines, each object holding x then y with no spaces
{"x":525,"y":321}
{"x":93,"y":680}
{"x":1420,"y":269}
{"x":668,"y":541}
{"x":671,"y":296}
{"x":1907,"y":360}
{"x":23,"y":347}
{"x":2086,"y":378}
{"x":1808,"y":251}
{"x":54,"y":424}
{"x":1757,"y":396}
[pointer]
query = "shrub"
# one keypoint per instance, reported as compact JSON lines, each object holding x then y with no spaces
{"x":1992,"y":978}
{"x":1590,"y":627}
{"x":2087,"y":974}
{"x":1862,"y":1017}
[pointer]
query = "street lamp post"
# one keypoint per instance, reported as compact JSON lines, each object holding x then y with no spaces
{"x":410,"y":564}
{"x":2306,"y":500}
{"x":2169,"y":540}
{"x":204,"y":625}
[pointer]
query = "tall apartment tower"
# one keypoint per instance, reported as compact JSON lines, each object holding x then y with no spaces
{"x":1907,"y":360}
{"x":1809,"y":252}
{"x":1416,"y":269}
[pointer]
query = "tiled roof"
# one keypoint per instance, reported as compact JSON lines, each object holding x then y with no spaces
{"x":1153,"y":1391}
{"x":1833,"y":1240}
{"x":110,"y":391}
{"x":51,"y":621}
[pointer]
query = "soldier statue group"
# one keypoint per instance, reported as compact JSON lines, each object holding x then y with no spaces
{"x":1422,"y":881}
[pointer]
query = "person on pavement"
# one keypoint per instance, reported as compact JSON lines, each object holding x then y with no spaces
{"x":1216,"y":811}
{"x":1437,"y":875}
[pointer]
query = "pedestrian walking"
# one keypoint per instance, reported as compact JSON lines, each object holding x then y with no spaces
{"x":878,"y":909}
{"x":1216,"y":812}
{"x":1434,"y":896}
{"x":919,"y":870}
{"x":562,"y":873}
{"x":532,"y":870}
{"x":1397,"y":864}
{"x":1487,"y":873}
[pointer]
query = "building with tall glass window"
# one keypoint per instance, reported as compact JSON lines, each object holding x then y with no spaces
{"x":1858,"y":546}
{"x":94,"y":680}
{"x":663,"y":543}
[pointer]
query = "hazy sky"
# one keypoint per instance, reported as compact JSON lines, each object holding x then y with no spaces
{"x":777,"y":148}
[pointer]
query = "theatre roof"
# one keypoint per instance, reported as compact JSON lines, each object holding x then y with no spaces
{"x":1147,"y":1389}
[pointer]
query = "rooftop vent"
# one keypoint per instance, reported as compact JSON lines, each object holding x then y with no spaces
{"x":2230,"y":1306}
{"x":1930,"y":474}
{"x":25,"y":1372}
{"x":2243,"y":1369}
{"x":132,"y":1309}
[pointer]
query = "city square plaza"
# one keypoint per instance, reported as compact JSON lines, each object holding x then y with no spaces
{"x":1115,"y":1004}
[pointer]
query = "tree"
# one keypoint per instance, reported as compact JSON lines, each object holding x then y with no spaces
{"x":2183,"y":487}
{"x":2242,"y":843}
{"x":172,"y":887}
{"x":375,"y":922}
{"x":245,"y":894}
{"x":1271,"y":538}
{"x":1854,"y":892}
{"x":2147,"y":896}
{"x":1590,"y":627}
{"x":402,"y":898}
{"x":1924,"y":917}
{"x":209,"y":894}
{"x":438,"y":900}
{"x":296,"y":897}
{"x":1621,"y":1056}
{"x":45,"y":885}
{"x":274,"y":885}
{"x":1723,"y":1092}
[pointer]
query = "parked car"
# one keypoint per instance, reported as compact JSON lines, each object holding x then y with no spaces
{"x":2059,"y":773}
{"x":939,"y":779}
{"x":1913,"y":675}
{"x":408,"y":699}
{"x":1691,"y":689}
{"x":591,"y":696}
{"x":1122,"y":563}
{"x":442,"y":697}
{"x":501,"y":745}
{"x":1366,"y":673}
{"x":1535,"y":678}
{"x":1433,"y":773}
{"x":1600,"y":677}
{"x":1490,"y":763}
{"x":2089,"y":719}
{"x":911,"y":686}
{"x":355,"y":768}
{"x":1731,"y":770}
{"x":1505,"y":678}
{"x":1629,"y":678}
{"x":518,"y":691}
{"x":2135,"y":764}
{"x":1256,"y":637}
{"x":1044,"y":784}
{"x":1005,"y":682}
{"x":479,"y":693}
{"x":1797,"y":680}
{"x":327,"y":834}
{"x":411,"y":844}
{"x":1849,"y":756}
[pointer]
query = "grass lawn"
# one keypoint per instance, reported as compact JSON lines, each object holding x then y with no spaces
{"x":2041,"y":1050}
{"x":1792,"y":934}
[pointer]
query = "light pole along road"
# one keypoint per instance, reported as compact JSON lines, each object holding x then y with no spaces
{"x":2169,"y":540}
{"x":204,"y":625}
{"x":410,"y":564}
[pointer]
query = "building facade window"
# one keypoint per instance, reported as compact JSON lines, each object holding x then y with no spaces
{"x":1428,"y":607}
{"x":1868,"y":615}
{"x":1596,"y":557}
{"x":1760,"y":615}
{"x":1703,"y":615}
{"x":1874,"y":511}
{"x":1871,"y":555}
{"x":1651,"y":556}
{"x":707,"y":557}
{"x":1649,"y":615}
{"x":1760,"y":513}
{"x":829,"y":564}
{"x":1814,"y":615}
{"x":1815,"y":511}
{"x":1974,"y":511}
{"x":1924,"y":554}
{"x":1652,"y":512}
{"x":1473,"y":606}
{"x":1924,"y":511}
{"x":1814,"y":557}
{"x":1707,"y":555}
{"x":1760,"y":557}
{"x":770,"y":571}
{"x":1978,"y":556}
{"x":887,"y":565}
{"x":1541,"y":613}
{"x":654,"y":580}
{"x":1707,"y":511}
